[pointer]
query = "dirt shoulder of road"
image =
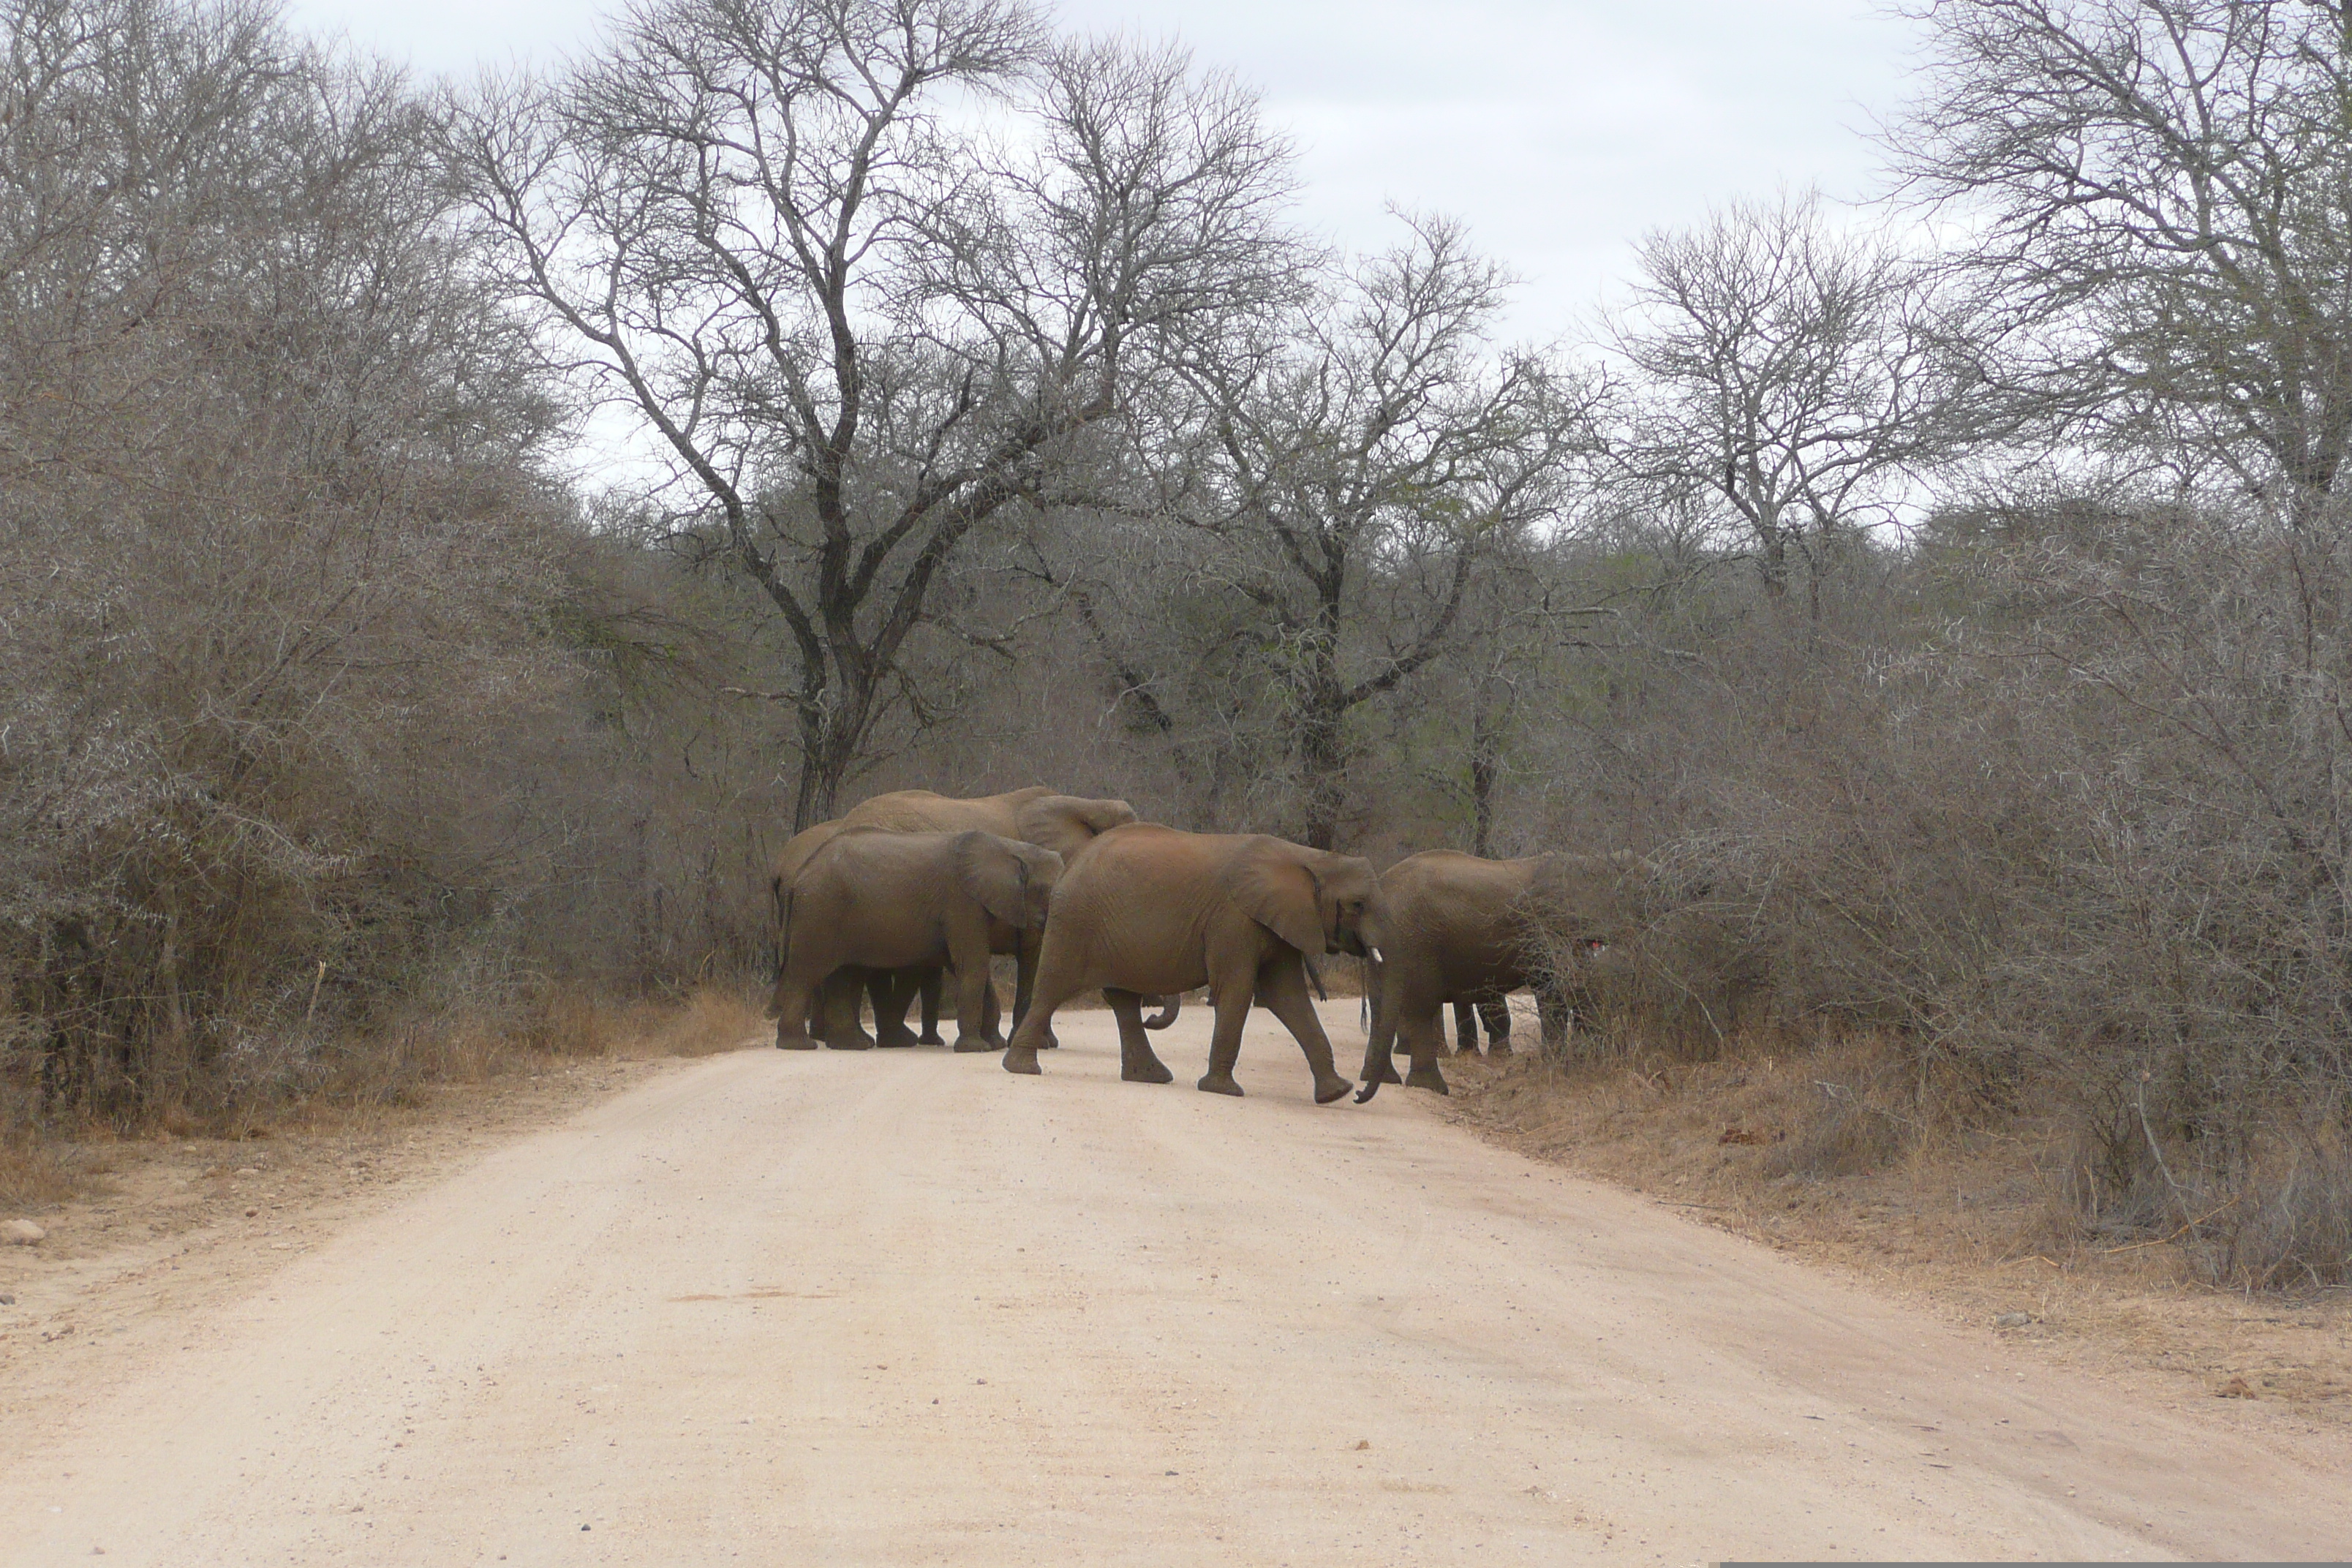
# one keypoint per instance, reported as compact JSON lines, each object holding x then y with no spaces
{"x":182,"y":1223}
{"x":1964,"y":1230}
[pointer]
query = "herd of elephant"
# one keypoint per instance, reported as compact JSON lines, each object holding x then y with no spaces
{"x":911,"y":886}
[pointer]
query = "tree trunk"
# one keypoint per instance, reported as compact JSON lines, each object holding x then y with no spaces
{"x":1323,"y":760}
{"x":1485,"y":743}
{"x":1322,"y":751}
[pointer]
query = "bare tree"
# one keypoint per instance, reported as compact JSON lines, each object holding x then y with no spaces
{"x":2164,"y":190}
{"x":1354,"y":468}
{"x":859,"y":325}
{"x":279,"y":720}
{"x":1789,"y":378}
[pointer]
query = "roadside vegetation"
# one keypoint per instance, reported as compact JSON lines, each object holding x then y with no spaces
{"x":451,"y":534}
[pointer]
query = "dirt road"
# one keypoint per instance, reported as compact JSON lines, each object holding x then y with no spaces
{"x":905,"y":1308}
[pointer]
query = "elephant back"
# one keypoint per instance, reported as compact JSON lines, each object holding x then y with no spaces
{"x":802,"y":848}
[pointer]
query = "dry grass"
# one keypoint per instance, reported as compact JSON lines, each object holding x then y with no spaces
{"x":400,"y":1066}
{"x":1818,"y":1151}
{"x":34,"y":1174}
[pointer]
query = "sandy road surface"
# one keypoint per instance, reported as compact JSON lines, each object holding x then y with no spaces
{"x":905,"y":1308}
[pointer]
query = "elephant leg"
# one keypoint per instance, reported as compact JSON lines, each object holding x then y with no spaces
{"x":992,"y":1011}
{"x":1233,"y":1004}
{"x":1465,"y":1028}
{"x":1421,"y":1030}
{"x":841,"y":995}
{"x":1495,"y":1012}
{"x":1137,"y":1061}
{"x":1024,"y":988}
{"x":975,"y":998}
{"x":931,"y":984}
{"x":1282,"y":990}
{"x":797,"y":994}
{"x":892,"y":991}
{"x":1056,"y":985}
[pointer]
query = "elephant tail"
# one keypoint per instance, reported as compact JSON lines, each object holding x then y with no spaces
{"x":1169,"y":1006}
{"x":783,"y":896}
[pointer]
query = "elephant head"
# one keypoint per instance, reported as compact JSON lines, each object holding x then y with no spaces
{"x":1013,"y":880}
{"x":1317,"y":901}
{"x":1066,"y":823}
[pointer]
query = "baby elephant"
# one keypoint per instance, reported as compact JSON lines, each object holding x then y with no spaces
{"x":883,"y":900}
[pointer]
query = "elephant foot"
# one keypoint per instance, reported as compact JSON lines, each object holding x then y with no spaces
{"x":967,"y":1044}
{"x":1050,"y":1043}
{"x":1427,"y":1078}
{"x":932,"y":1037}
{"x":1022,"y":1059}
{"x":1328,"y":1090}
{"x":897,"y":1037}
{"x":1219,"y":1083}
{"x":1152,"y":1071}
{"x":860,"y":1041}
{"x":794,"y":1043}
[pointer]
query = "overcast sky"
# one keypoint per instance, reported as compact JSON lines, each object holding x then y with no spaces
{"x":1558,"y":130}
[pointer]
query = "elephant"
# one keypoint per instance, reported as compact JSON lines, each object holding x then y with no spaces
{"x":1038,"y":815}
{"x":1147,"y":909}
{"x":882,"y":900}
{"x":1453,"y":927}
{"x":842,"y":988}
{"x":1492,"y":1012}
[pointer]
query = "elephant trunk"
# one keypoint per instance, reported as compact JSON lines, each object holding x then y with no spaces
{"x":1379,"y":1041}
{"x":1170,"y":1006}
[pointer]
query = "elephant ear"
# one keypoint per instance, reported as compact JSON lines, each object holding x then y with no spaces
{"x":994,"y":874}
{"x":1274,"y":887}
{"x":1066,"y":823}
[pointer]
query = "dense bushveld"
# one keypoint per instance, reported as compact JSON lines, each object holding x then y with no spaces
{"x":451,"y":535}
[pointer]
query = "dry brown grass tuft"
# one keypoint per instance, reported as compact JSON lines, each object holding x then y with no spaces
{"x":710,"y":1020}
{"x":36,"y":1173}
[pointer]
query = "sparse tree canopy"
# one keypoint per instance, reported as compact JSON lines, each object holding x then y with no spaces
{"x":2165,"y":188}
{"x":1354,"y":466}
{"x":870,"y":270}
{"x":1789,"y":378}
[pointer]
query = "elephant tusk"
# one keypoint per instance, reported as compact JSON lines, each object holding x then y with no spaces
{"x":1375,"y":953}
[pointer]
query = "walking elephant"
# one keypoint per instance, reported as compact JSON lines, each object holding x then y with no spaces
{"x":879,"y":901}
{"x":1039,"y":815}
{"x":1146,"y":910}
{"x":1454,"y":929}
